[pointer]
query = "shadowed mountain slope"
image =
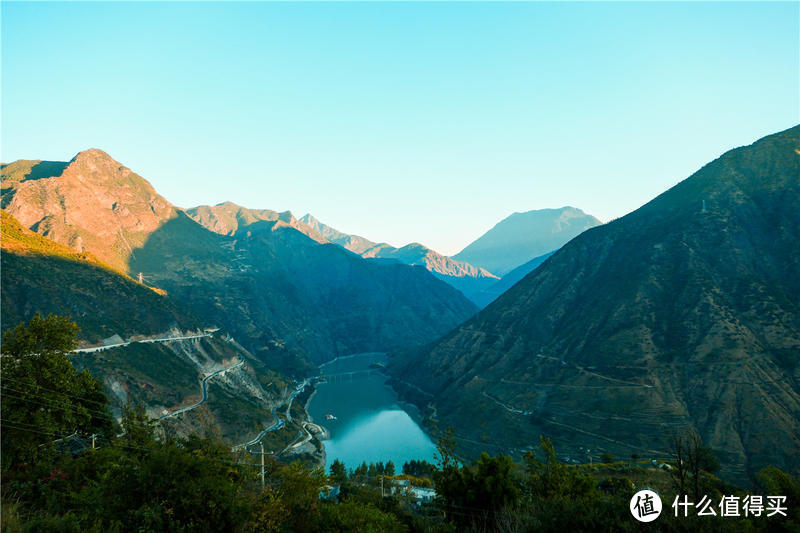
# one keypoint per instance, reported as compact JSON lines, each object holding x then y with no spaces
{"x":684,"y":314}
{"x":39,"y":274}
{"x":490,"y":294}
{"x":318,"y":297}
{"x":467,"y":278}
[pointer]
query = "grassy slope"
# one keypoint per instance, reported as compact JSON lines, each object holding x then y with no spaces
{"x":39,"y":274}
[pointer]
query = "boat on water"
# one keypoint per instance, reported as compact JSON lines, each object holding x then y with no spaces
{"x":330,"y":417}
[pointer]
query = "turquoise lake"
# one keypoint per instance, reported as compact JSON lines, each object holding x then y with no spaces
{"x":371,"y":425}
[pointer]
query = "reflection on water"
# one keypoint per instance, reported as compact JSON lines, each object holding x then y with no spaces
{"x":370,"y":424}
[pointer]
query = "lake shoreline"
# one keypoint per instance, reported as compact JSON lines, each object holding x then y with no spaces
{"x":372,"y":422}
{"x":321,"y":456}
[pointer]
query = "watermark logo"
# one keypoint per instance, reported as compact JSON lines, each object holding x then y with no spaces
{"x":645,"y":506}
{"x":750,"y":505}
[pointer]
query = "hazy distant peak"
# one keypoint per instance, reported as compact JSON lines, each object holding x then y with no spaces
{"x":548,"y":213}
{"x":522,"y":236}
{"x":546,"y":210}
{"x":416,"y":246}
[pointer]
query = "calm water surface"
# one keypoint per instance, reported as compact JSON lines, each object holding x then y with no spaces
{"x":370,"y":424}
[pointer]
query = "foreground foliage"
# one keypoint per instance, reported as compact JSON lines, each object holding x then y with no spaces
{"x":53,"y":479}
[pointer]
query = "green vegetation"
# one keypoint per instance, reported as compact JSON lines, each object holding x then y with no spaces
{"x":133,"y":481}
{"x":43,"y":395}
{"x":163,"y":376}
{"x":18,"y":238}
{"x":41,"y":274}
{"x":237,"y":415}
{"x":422,"y":469}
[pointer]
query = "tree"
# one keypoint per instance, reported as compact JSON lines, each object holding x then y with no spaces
{"x":299,"y":489}
{"x":548,"y":478}
{"x":446,"y":451}
{"x":476,"y":494}
{"x":691,"y":457}
{"x":421,"y":469}
{"x":42,"y":335}
{"x":447,"y":478}
{"x":44,"y":397}
{"x":606,"y":457}
{"x":138,"y":428}
{"x":493,"y":482}
{"x":181,"y":485}
{"x":389,"y":469}
{"x":679,"y":452}
{"x":774,"y":481}
{"x":338,"y":472}
{"x":360,"y":473}
{"x":353,"y":516}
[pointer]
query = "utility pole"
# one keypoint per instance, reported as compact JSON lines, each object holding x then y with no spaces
{"x":262,"y":465}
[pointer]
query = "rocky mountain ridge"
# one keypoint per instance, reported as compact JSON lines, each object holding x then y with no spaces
{"x":463,"y":276}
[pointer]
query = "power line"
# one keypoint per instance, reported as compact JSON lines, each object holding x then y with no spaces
{"x":57,"y":405}
{"x":28,"y":384}
{"x":113,"y":444}
{"x":10,"y":423}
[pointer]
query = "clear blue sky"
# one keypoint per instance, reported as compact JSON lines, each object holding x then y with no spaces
{"x":401,"y":122}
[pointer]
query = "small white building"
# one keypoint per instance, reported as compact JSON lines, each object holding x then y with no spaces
{"x":423,"y":495}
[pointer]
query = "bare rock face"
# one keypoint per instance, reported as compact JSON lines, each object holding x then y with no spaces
{"x":93,"y":203}
{"x":683,"y":315}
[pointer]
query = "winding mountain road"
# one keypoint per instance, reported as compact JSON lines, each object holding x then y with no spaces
{"x":204,"y":387}
{"x":126,"y":343}
{"x":279,"y":422}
